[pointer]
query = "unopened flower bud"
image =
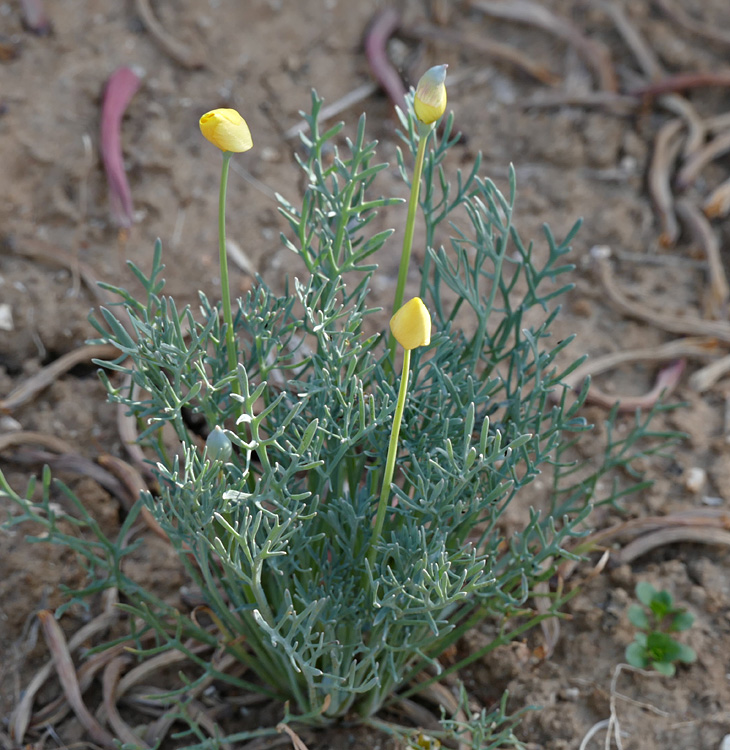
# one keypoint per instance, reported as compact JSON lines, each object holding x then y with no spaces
{"x":218,"y":446}
{"x":226,"y":129}
{"x":430,"y":100}
{"x":411,"y":325}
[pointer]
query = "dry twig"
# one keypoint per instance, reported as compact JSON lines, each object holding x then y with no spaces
{"x":682,"y":82}
{"x":717,"y":205}
{"x":690,"y":171}
{"x":31,"y":387}
{"x":27,"y":437}
{"x":706,"y":31}
{"x":666,"y":382}
{"x":648,"y":542}
{"x":704,"y":378}
{"x":31,"y":247}
{"x":127,"y":428}
{"x":666,"y":149}
{"x":358,"y":94}
{"x":653,"y":69}
{"x":69,"y":682}
{"x":595,"y":54}
{"x":642,"y":52}
{"x":178,"y":51}
{"x":719,"y":291}
{"x":110,"y":681}
{"x":697,"y":128}
{"x":693,"y":347}
{"x":495,"y":50}
{"x":74,"y":464}
{"x":134,"y":484}
{"x":700,"y":521}
{"x":686,"y":325}
{"x":20,"y":718}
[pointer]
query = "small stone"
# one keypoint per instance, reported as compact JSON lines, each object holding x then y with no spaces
{"x":712,"y":501}
{"x":582,"y":307}
{"x":6,"y":317}
{"x":270,"y":154}
{"x":725,"y":742}
{"x":8,"y":424}
{"x":694,"y":479}
{"x":622,"y":576}
{"x":600,"y":252}
{"x":698,"y":596}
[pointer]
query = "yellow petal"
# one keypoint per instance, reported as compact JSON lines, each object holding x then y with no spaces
{"x":411,"y":325}
{"x":226,"y":129}
{"x":430,"y":100}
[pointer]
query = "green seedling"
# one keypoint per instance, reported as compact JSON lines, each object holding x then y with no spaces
{"x":656,"y":619}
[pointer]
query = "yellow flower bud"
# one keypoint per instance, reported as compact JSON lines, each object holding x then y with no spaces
{"x":226,"y":129}
{"x":430,"y":100}
{"x":411,"y":325}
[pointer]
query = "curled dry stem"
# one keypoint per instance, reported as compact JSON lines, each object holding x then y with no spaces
{"x":179,"y":52}
{"x":594,"y":53}
{"x":69,"y":681}
{"x":703,"y":379}
{"x":684,"y":325}
{"x":685,"y":524}
{"x":717,"y":205}
{"x":31,"y":387}
{"x":667,"y":146}
{"x":133,"y":484}
{"x":643,"y":54}
{"x":497,"y":51}
{"x":682,"y":82}
{"x":110,"y":681}
{"x":20,"y":718}
{"x":691,"y":169}
{"x":719,"y":290}
{"x":695,"y":348}
{"x":712,"y":33}
{"x":696,"y":534}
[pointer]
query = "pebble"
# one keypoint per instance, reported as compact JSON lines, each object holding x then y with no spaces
{"x":570,"y":694}
{"x":8,"y":424}
{"x":6,"y":317}
{"x":725,"y":742}
{"x":694,"y":479}
{"x":270,"y":154}
{"x":712,"y":500}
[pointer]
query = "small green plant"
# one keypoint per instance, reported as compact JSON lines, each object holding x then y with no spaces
{"x":653,"y":646}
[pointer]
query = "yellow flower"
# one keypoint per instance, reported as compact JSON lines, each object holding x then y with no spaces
{"x":430,"y":99}
{"x":226,"y":129}
{"x":411,"y":325}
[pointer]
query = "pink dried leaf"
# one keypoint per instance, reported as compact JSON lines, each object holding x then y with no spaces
{"x":120,"y":88}
{"x":34,"y":17}
{"x":385,"y":23}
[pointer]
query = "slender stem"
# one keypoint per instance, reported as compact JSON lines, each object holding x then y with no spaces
{"x":223,"y":258}
{"x":392,"y":453}
{"x":478,"y":341}
{"x":405,"y":257}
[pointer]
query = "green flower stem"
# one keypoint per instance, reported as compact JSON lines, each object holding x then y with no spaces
{"x":405,"y":257}
{"x":223,"y":258}
{"x":392,"y":453}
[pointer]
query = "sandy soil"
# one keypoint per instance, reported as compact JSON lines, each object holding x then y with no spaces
{"x":262,"y":57}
